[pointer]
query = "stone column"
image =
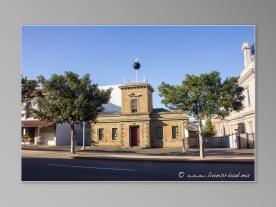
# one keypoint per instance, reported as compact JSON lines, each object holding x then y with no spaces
{"x":146,"y":127}
{"x":122,"y":135}
{"x":246,"y":54}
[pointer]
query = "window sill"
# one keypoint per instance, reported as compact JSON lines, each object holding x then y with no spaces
{"x":175,"y":139}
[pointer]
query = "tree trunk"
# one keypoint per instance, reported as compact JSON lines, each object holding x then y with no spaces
{"x":73,"y":141}
{"x":201,"y":146}
{"x":184,"y":147}
{"x":27,"y":109}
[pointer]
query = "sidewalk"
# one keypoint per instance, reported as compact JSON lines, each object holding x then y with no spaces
{"x":155,"y":154}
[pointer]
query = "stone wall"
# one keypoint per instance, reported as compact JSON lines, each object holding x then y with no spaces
{"x":107,"y":139}
{"x":143,"y":94}
{"x":168,"y":140}
{"x":147,"y":124}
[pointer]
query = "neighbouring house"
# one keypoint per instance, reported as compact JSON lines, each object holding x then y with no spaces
{"x":34,"y":131}
{"x":238,"y":129}
{"x":137,"y":123}
{"x":38,"y":132}
{"x":240,"y":126}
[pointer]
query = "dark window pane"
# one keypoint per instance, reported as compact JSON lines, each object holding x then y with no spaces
{"x":101,"y":133}
{"x":114,"y":133}
{"x":174,"y":132}
{"x":159,"y":132}
{"x":241,"y":127}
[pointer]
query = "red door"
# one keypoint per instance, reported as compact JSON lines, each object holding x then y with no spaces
{"x":134,"y":136}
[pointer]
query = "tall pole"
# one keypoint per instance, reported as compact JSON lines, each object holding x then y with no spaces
{"x":83,"y":135}
{"x":136,"y":66}
{"x":183,"y":137}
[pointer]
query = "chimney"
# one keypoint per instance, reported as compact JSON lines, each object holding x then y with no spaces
{"x":246,"y":53}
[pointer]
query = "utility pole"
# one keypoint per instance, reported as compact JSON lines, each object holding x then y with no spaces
{"x":83,"y":135}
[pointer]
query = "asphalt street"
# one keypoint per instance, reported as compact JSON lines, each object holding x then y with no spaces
{"x":53,"y":169}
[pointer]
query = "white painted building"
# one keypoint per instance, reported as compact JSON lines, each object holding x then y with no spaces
{"x":243,"y":122}
{"x":34,"y":131}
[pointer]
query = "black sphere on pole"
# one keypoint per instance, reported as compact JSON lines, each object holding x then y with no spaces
{"x":136,"y":65}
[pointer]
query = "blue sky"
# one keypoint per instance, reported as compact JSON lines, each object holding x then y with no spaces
{"x":107,"y":53}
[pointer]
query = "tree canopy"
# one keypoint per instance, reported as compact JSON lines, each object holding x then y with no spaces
{"x":28,"y":93}
{"x":203,"y":96}
{"x":70,"y":99}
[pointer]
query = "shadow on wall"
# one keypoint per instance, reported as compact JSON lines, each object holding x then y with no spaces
{"x":157,"y":143}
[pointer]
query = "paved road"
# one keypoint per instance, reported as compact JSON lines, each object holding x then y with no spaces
{"x":52,"y":169}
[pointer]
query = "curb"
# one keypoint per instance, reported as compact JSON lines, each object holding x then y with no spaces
{"x":162,"y":159}
{"x":153,"y":158}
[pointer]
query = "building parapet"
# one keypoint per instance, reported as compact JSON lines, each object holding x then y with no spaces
{"x":136,"y":85}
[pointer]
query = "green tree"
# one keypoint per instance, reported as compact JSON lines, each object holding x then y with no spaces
{"x":208,"y":129}
{"x":28,"y":93}
{"x":203,"y":95}
{"x":70,"y":99}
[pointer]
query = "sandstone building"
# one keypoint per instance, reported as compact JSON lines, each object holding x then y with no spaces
{"x":138,"y":124}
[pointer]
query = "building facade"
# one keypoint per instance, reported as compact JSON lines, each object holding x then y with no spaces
{"x":138,"y":124}
{"x":242,"y":123}
{"x":38,"y":132}
{"x":34,"y":131}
